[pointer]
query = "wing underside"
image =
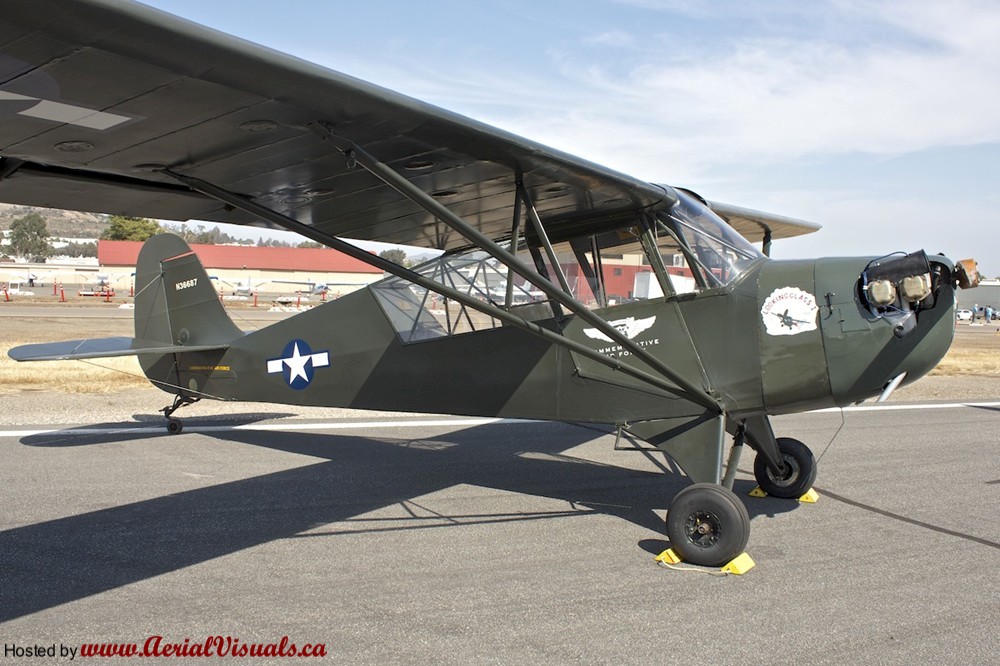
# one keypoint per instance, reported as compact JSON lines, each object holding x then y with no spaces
{"x":96,"y":97}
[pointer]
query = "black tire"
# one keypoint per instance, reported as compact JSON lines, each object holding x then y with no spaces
{"x":801,"y":474}
{"x":174,"y":426}
{"x":707,"y":525}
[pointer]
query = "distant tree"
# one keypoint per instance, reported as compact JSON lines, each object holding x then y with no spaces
{"x":122,"y":227}
{"x":202,"y":236}
{"x":30,"y":238}
{"x":273,"y":242}
{"x":395,"y":255}
{"x":207,"y":236}
{"x":80,"y":250}
{"x":310,"y":244}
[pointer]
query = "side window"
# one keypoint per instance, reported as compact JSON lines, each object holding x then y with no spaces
{"x":675,"y":261}
{"x":614,"y":268}
{"x":598,"y":263}
{"x":420,"y":314}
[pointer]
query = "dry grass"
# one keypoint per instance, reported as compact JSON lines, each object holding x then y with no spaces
{"x":974,"y":353}
{"x":979,"y":362}
{"x":105,"y":375}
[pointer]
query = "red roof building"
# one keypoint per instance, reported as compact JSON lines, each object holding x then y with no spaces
{"x":320,"y":260}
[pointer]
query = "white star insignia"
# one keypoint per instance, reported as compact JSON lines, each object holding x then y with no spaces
{"x":297,"y":362}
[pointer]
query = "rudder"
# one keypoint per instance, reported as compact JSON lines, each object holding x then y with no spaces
{"x":176,"y":304}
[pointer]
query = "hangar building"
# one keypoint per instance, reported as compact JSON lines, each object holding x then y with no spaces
{"x":241,"y":269}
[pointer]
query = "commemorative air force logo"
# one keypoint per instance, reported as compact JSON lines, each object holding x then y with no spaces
{"x":298,"y":364}
{"x":629,"y":327}
{"x":789,"y":311}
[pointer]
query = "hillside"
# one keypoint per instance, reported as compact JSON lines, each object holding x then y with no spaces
{"x":60,"y":223}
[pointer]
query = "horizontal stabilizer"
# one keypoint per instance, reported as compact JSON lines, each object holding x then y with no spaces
{"x":101,"y":348}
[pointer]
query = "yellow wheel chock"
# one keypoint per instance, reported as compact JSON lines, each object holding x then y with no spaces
{"x":669,"y":557}
{"x":810,"y":497}
{"x":741,"y":564}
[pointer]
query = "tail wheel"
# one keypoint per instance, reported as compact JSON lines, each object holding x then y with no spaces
{"x":799,"y":475}
{"x":174,"y":426}
{"x":707,"y":525}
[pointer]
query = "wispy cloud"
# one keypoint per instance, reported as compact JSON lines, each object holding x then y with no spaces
{"x":885,"y":78}
{"x":775,"y":104}
{"x":614,"y":38}
{"x":934,"y":82}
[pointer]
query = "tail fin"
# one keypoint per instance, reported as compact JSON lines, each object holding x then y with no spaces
{"x":175,"y":302}
{"x":176,"y":305}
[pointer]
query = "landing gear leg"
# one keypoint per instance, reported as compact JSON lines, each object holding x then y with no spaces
{"x":707,"y":525}
{"x":175,"y":426}
{"x":784,"y":467}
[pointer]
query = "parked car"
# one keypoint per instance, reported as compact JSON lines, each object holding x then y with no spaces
{"x":964,"y":315}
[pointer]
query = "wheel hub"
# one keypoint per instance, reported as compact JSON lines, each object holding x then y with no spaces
{"x":788,"y":474}
{"x":703,"y":529}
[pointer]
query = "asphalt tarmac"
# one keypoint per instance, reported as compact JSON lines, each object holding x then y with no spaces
{"x":495,"y":542}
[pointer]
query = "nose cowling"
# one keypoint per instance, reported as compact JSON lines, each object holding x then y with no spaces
{"x":837,"y":331}
{"x":883,"y":318}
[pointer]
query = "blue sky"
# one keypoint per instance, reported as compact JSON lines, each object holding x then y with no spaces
{"x":879,"y":120}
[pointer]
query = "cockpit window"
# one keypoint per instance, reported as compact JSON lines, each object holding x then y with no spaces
{"x":598,"y":265}
{"x":716,"y":253}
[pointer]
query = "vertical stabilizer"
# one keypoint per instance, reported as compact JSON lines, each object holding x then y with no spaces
{"x":176,"y":304}
{"x":175,"y":300}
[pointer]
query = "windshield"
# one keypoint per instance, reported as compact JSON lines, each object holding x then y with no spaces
{"x":720,"y":254}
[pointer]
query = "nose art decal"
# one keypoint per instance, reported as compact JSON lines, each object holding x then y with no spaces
{"x":789,"y":311}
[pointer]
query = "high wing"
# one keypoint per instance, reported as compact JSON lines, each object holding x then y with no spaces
{"x":756,"y":225}
{"x":96,"y":97}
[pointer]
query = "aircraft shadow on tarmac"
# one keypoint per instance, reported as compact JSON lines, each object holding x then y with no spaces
{"x":139,"y":429}
{"x":59,"y":561}
{"x":215,"y":419}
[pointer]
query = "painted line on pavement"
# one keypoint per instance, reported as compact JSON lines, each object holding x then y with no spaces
{"x":423,"y":423}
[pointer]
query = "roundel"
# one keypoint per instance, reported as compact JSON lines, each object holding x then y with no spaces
{"x":298,"y":363}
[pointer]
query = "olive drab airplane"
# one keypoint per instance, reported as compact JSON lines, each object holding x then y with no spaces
{"x":565,"y":291}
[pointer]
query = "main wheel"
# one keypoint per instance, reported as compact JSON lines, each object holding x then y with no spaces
{"x":174,"y":426}
{"x":800,"y":470}
{"x":707,"y":525}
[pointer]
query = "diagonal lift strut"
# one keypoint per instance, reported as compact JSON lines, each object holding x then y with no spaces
{"x":676,"y":384}
{"x":407,"y":189}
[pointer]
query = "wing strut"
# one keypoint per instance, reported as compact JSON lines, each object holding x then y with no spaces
{"x":536,"y":224}
{"x":515,"y":232}
{"x":680,"y":386}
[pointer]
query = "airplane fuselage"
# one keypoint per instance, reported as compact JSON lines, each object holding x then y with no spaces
{"x":751,"y":354}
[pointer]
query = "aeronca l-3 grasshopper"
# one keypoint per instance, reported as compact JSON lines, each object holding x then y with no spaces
{"x":566,"y":291}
